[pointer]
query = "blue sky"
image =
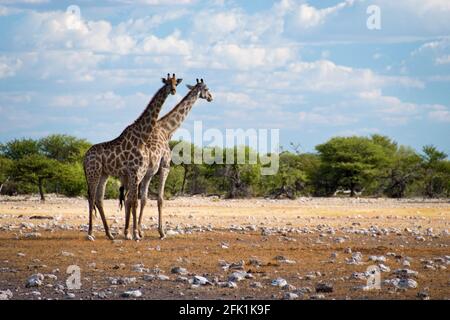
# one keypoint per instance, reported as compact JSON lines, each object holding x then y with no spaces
{"x":310,"y":68}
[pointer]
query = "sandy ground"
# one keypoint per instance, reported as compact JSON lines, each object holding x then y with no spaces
{"x":307,"y":242}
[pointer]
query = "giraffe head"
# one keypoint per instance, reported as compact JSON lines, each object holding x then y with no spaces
{"x":203,"y":89}
{"x":171,"y":83}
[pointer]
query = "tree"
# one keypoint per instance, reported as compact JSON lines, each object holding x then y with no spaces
{"x":5,"y":171}
{"x":19,"y":148}
{"x":239,"y":179}
{"x":435,"y":171}
{"x":35,"y":169}
{"x":403,"y":171}
{"x":290,"y":178}
{"x":349,"y":162}
{"x":64,"y":148}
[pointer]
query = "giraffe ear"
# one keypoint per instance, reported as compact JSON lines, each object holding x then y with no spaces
{"x":179,"y":81}
{"x":163,"y":80}
{"x":190,"y":87}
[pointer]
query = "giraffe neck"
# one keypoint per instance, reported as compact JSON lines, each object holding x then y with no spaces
{"x":143,"y":126}
{"x":173,"y":120}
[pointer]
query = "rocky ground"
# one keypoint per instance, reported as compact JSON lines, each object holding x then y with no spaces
{"x":310,"y":248}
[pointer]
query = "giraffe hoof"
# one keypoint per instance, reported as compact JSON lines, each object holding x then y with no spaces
{"x":141,"y":234}
{"x":136,"y":237}
{"x":128,"y":236}
{"x":110,"y":236}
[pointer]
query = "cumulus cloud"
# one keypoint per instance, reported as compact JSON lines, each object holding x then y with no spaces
{"x":250,"y":57}
{"x":9,"y":66}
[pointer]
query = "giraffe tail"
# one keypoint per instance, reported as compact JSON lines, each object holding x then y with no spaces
{"x":121,"y":197}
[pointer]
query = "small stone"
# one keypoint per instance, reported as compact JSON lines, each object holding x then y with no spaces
{"x":384,"y":268}
{"x":279,"y":282}
{"x":424,"y":295}
{"x":70,"y":295}
{"x":199,"y":280}
{"x":377,"y":258}
{"x":132,"y":294}
{"x":32,"y":235}
{"x":179,"y":270}
{"x":149,"y":277}
{"x":319,"y":296}
{"x":237,"y":276}
{"x":6,"y":294}
{"x":172,"y":233}
{"x":324,"y":287}
{"x":290,"y":296}
{"x":90,"y":237}
{"x":67,"y":254}
{"x":35,"y":280}
{"x":227,"y":284}
{"x":406,"y":273}
{"x":256,"y":285}
{"x":162,"y":277}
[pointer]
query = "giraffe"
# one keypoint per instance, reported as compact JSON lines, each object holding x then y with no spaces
{"x":125,"y":157}
{"x":160,"y":153}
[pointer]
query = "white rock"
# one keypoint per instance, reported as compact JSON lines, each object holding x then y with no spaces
{"x":290,"y":296}
{"x":6,"y":294}
{"x":279,"y":282}
{"x":384,"y":268}
{"x":35,"y":280}
{"x":377,"y":258}
{"x":132,"y":294}
{"x":162,"y":277}
{"x":406,"y":273}
{"x":237,"y":276}
{"x":179,"y":270}
{"x":199,"y":280}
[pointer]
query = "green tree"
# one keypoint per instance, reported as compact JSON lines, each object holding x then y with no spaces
{"x":403,"y":171}
{"x":19,"y":148}
{"x":35,"y":169}
{"x":290,"y":178}
{"x":64,"y":148}
{"x":435,"y":171}
{"x":5,"y":171}
{"x":350,"y":163}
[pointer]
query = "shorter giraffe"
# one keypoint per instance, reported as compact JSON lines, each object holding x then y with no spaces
{"x":125,"y":157}
{"x":159,"y":151}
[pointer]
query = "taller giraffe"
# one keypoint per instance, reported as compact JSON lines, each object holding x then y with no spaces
{"x":160,"y":153}
{"x":125,"y":157}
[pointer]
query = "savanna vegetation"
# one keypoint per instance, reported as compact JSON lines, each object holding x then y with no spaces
{"x":367,"y":166}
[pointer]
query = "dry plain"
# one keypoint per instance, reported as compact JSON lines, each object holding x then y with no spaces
{"x":317,"y":248}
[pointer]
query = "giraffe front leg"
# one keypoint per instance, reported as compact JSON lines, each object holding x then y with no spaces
{"x":164,"y":172}
{"x":132,"y":202}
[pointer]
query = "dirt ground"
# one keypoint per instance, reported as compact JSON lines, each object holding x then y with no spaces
{"x":307,"y":242}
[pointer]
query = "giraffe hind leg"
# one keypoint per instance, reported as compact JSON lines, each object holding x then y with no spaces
{"x":99,"y":203}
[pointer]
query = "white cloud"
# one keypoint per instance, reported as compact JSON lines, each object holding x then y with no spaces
{"x":234,"y":56}
{"x":9,"y":66}
{"x":309,"y":16}
{"x":325,"y":76}
{"x":439,"y":113}
{"x":388,"y":104}
{"x":445,"y":59}
{"x":171,"y":45}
